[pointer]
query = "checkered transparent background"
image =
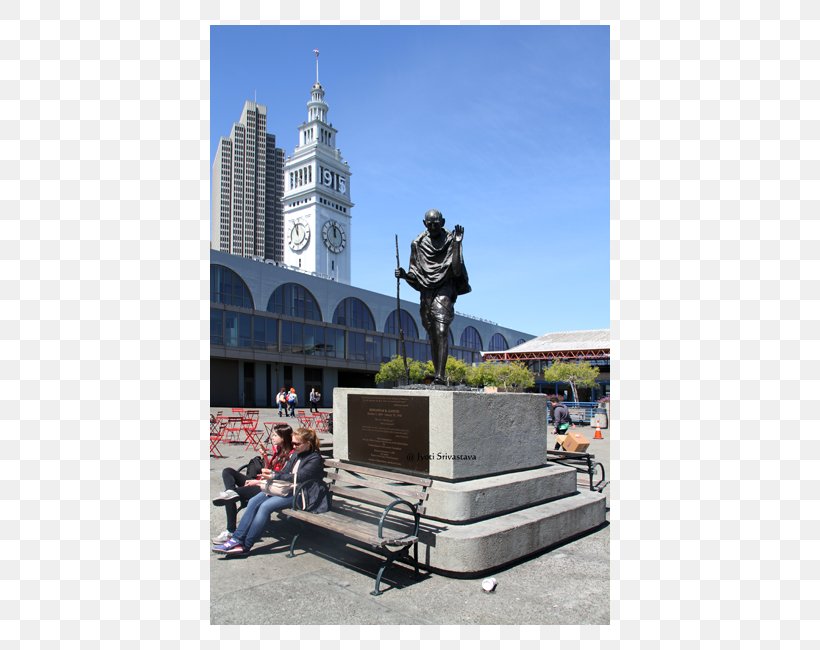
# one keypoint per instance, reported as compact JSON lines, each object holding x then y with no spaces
{"x":104,"y":204}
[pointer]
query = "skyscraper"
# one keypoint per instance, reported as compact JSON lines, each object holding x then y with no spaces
{"x":247,"y":188}
{"x":274,"y":189}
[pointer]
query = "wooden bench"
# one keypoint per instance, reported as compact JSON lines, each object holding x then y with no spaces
{"x":355,"y":488}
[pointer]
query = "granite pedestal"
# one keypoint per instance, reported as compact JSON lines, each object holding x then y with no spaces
{"x":494,"y":498}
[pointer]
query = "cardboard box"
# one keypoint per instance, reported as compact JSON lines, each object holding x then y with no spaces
{"x":575,"y":442}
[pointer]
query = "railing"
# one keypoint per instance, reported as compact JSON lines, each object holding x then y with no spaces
{"x":579,"y":411}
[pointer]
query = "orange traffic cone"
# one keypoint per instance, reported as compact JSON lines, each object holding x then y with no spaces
{"x":598,"y":435}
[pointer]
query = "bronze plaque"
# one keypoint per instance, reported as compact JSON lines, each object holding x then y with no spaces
{"x":389,"y":430}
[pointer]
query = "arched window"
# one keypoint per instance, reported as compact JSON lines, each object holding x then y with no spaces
{"x":227,"y":288}
{"x":520,"y":341}
{"x":354,"y":313}
{"x":407,"y":324}
{"x":292,"y":299}
{"x":470,"y":338}
{"x":498,"y":343}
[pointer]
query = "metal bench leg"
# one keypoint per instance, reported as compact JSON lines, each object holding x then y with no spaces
{"x":599,"y":486}
{"x":293,"y":541}
{"x":415,"y":558}
{"x":376,"y":591}
{"x":387,"y":562}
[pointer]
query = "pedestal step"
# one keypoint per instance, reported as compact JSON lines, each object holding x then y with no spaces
{"x":480,"y":498}
{"x":487,"y":544}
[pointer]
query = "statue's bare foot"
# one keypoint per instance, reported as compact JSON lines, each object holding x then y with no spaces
{"x":440,"y":381}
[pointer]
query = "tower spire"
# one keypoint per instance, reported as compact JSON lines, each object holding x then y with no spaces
{"x":316,"y":52}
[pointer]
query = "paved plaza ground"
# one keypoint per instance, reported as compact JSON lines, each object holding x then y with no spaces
{"x":568,"y":584}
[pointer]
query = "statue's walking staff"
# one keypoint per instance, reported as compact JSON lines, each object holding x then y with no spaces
{"x":398,"y":317}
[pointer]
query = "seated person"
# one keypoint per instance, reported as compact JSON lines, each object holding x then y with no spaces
{"x":257,"y":514}
{"x":240,"y":488}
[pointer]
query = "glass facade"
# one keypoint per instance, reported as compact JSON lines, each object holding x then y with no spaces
{"x":470,"y":338}
{"x":241,"y":330}
{"x":354,"y":313}
{"x":217,"y":337}
{"x":227,"y":288}
{"x":407,"y":324}
{"x":352,"y":336}
{"x":294,"y":300}
{"x":498,"y":343}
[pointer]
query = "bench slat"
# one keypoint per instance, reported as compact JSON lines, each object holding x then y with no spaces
{"x":404,"y":490}
{"x":374,"y":497}
{"x":363,"y":515}
{"x":406,"y":478}
{"x":337,"y":522}
{"x":350,"y":527}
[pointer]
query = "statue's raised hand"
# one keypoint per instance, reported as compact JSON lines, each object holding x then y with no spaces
{"x":458,"y":232}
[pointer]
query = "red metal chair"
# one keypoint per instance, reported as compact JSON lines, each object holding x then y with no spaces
{"x":322,"y":422}
{"x":217,"y":436}
{"x":215,"y":421}
{"x":305,"y":419}
{"x":233,"y":428}
{"x":249,"y":423}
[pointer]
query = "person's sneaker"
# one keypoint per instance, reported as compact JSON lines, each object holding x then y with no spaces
{"x":223,"y":537}
{"x":227,"y":546}
{"x":226,"y":497}
{"x":237,"y":550}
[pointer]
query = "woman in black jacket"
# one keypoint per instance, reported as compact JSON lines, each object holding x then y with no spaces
{"x":304,"y":465}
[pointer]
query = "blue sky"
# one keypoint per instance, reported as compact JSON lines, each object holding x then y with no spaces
{"x":505,"y":129}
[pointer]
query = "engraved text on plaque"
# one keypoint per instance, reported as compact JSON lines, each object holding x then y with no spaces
{"x":389,"y":430}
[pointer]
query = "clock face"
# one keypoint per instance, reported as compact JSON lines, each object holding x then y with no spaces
{"x":299,"y":236}
{"x":334,"y":236}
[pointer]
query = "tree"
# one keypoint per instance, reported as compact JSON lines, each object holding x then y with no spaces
{"x":455,"y":371}
{"x":393,"y":371}
{"x":514,"y":376}
{"x":509,"y":376}
{"x":481,"y":375}
{"x":574,"y":374}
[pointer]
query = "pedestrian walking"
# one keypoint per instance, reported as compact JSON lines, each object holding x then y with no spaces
{"x":292,"y":402}
{"x":314,"y":398}
{"x":560,"y":419}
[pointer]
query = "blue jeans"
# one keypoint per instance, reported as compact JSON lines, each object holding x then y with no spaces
{"x":256,"y":517}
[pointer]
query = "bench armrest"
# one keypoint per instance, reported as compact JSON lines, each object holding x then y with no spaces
{"x":398,"y":502}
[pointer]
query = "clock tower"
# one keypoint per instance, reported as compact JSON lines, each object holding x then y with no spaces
{"x":316,"y":201}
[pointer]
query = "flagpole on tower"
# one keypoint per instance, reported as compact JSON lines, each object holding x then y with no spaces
{"x":316,"y":52}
